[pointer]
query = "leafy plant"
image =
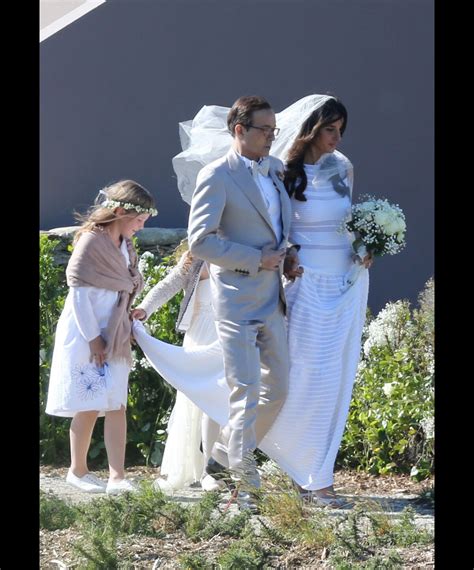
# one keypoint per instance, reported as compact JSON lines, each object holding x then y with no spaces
{"x":54,"y":432}
{"x":390,"y":424}
{"x":55,"y":513}
{"x":194,"y":562}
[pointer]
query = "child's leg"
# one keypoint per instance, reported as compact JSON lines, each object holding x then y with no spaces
{"x":80,"y":433}
{"x":115,"y":435}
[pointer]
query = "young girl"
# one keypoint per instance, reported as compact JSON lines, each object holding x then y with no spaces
{"x":92,"y":353}
{"x":189,"y":429}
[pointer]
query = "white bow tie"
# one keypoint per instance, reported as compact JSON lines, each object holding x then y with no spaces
{"x":261,"y":166}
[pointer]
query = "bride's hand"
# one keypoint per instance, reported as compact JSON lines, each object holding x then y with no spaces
{"x":368,"y":260}
{"x":139,"y":314}
{"x":291,"y":266}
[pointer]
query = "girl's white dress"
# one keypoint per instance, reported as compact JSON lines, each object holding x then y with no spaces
{"x":75,"y":383}
{"x":325,"y":324}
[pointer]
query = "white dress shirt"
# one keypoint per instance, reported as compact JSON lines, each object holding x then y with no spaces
{"x":271,"y":197}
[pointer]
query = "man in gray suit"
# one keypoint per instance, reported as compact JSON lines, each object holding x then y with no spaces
{"x":239,"y":222}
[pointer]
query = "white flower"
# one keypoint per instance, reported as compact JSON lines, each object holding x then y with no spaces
{"x":389,"y":327}
{"x":144,"y":363}
{"x":381,"y":218}
{"x":391,"y":228}
{"x":112,"y":204}
{"x":430,"y":359}
{"x":376,"y":222}
{"x":145,"y":258}
{"x":427,"y":425}
{"x":388,"y":388}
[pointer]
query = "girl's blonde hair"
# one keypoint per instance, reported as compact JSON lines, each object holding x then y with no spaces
{"x":122,"y":193}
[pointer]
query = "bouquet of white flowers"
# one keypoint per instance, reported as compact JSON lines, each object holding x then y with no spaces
{"x":379,"y":228}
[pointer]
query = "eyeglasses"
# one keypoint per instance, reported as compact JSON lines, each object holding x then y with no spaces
{"x":267,"y":130}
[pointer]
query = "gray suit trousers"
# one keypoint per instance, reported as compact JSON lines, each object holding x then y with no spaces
{"x":256,"y":369}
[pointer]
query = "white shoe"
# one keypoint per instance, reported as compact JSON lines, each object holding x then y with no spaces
{"x":122,"y":486}
{"x":88,"y":483}
{"x":208,"y":483}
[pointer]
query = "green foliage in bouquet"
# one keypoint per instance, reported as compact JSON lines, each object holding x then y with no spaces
{"x":390,"y":428}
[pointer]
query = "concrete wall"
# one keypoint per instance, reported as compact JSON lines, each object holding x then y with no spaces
{"x":116,"y":82}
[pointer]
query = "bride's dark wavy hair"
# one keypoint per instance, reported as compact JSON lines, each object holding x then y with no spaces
{"x":295,"y":177}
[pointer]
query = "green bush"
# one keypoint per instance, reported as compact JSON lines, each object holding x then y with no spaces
{"x":242,"y":555}
{"x":194,"y":562}
{"x":390,"y":424}
{"x":54,"y":431}
{"x":55,"y":513}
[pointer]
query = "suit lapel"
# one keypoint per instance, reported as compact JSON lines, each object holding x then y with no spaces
{"x":244,"y":180}
{"x":285,"y":205}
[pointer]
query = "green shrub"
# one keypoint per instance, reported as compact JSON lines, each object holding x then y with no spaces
{"x":54,"y":431}
{"x":242,"y":555}
{"x":198,"y":516}
{"x":55,"y":513}
{"x":390,"y":424}
{"x":194,"y":562}
{"x":133,"y":513}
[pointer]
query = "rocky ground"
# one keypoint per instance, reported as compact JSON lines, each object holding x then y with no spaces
{"x":391,"y":493}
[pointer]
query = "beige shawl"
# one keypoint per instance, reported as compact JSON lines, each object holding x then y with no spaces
{"x":97,"y":262}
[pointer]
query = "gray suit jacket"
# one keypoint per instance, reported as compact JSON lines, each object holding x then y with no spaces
{"x":228,"y":227}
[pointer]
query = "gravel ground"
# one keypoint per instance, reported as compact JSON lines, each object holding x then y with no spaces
{"x":391,"y":493}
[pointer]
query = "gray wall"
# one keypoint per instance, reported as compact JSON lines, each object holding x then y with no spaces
{"x":115,"y":84}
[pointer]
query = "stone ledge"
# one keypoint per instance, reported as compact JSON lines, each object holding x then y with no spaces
{"x":148,"y":237}
{"x":159,"y":241}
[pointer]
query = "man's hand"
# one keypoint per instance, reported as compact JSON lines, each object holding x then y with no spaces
{"x":291,"y":267}
{"x":271,"y":258}
{"x":97,"y":348}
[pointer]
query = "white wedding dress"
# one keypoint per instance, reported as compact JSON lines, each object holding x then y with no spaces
{"x":325,"y":323}
{"x":183,"y":462}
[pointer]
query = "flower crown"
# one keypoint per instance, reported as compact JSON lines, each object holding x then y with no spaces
{"x":112,"y":204}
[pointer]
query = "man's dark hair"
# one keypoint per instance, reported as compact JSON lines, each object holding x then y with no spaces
{"x":242,"y":111}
